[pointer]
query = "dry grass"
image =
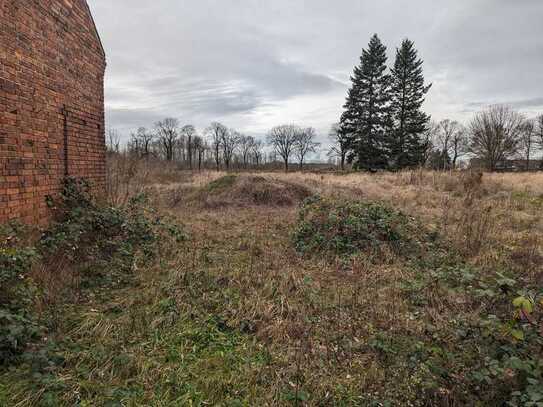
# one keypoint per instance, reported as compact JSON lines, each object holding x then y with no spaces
{"x":481,"y":214}
{"x":237,"y":317}
{"x":493,"y":220}
{"x":498,"y":211}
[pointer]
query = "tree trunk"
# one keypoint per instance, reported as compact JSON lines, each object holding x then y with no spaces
{"x":491,"y":165}
{"x":217,"y":163}
{"x":190,"y":152}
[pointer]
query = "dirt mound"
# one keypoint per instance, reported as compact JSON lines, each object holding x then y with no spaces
{"x":245,"y":190}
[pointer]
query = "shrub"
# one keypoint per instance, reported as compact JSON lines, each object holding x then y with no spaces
{"x":341,"y":227}
{"x":86,"y":237}
{"x":102,"y":235}
{"x":17,"y":325}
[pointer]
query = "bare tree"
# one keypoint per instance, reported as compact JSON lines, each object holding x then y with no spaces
{"x":200,"y":146}
{"x":539,"y":131}
{"x":229,"y":142}
{"x":189,"y":131}
{"x":283,"y":140}
{"x":246,"y":145}
{"x":141,"y":142}
{"x":113,"y":141}
{"x":339,"y":144}
{"x":527,"y":141}
{"x":180,"y":149}
{"x":167,"y":132}
{"x":458,"y":145}
{"x":495,"y":134}
{"x":305,"y":144}
{"x":257,"y":152}
{"x":216,"y":131}
{"x":447,"y":141}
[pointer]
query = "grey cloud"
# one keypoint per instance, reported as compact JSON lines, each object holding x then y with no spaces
{"x":131,"y":118}
{"x":244,"y":61}
{"x":528,"y":103}
{"x":518,"y":104}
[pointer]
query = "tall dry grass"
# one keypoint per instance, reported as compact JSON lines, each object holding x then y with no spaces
{"x":493,"y":218}
{"x":128,"y":176}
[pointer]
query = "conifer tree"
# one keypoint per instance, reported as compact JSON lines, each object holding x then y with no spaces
{"x":366,"y":117}
{"x":407,"y":94}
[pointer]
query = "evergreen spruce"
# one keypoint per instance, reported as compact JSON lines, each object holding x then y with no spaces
{"x":410,"y":122}
{"x":366,"y":118}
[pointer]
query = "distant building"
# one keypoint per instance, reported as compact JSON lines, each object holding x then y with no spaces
{"x":52,"y":66}
{"x":509,"y":165}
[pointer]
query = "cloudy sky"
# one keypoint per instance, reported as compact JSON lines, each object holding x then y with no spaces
{"x":253,"y":64}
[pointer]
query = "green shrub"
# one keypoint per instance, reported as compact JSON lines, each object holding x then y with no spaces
{"x":345,"y":228}
{"x":92,"y":239}
{"x":102,"y":236}
{"x":17,"y":324}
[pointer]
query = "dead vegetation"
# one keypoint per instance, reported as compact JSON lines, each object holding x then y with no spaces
{"x":239,"y":191}
{"x":250,"y":311}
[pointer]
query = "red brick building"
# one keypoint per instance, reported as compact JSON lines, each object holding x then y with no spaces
{"x":52,"y":66}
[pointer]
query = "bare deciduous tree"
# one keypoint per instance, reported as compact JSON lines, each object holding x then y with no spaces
{"x":216,"y":131}
{"x":189,"y":131}
{"x":527,"y":141}
{"x":246,"y":145}
{"x":539,"y":131}
{"x":141,"y":142}
{"x":458,"y":145}
{"x":339,"y":145}
{"x":283,"y":139}
{"x":113,"y":141}
{"x":167,"y":132}
{"x":451,"y":141}
{"x":305,"y":144}
{"x":257,"y":152}
{"x":229,"y":142}
{"x":200,"y":146}
{"x":495,"y":134}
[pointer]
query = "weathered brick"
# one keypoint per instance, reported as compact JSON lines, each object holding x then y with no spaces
{"x":51,"y":72}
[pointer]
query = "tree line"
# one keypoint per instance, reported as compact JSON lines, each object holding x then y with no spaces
{"x":218,"y":146}
{"x":383,"y":125}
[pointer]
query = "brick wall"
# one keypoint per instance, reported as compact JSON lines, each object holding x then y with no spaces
{"x":51,"y":103}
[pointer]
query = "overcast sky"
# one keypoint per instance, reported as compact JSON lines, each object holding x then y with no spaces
{"x":253,"y":64}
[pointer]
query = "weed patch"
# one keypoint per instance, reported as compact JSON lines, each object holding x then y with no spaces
{"x":17,"y":323}
{"x":88,"y":241}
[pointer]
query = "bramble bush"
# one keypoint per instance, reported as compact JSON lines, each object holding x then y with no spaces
{"x":488,"y":353}
{"x":345,"y":228}
{"x":92,"y":239}
{"x":102,"y":236}
{"x":17,"y":324}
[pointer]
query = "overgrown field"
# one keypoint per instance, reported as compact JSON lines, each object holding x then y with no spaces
{"x":414,"y":288}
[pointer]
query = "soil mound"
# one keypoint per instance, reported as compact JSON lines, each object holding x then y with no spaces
{"x":245,"y":190}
